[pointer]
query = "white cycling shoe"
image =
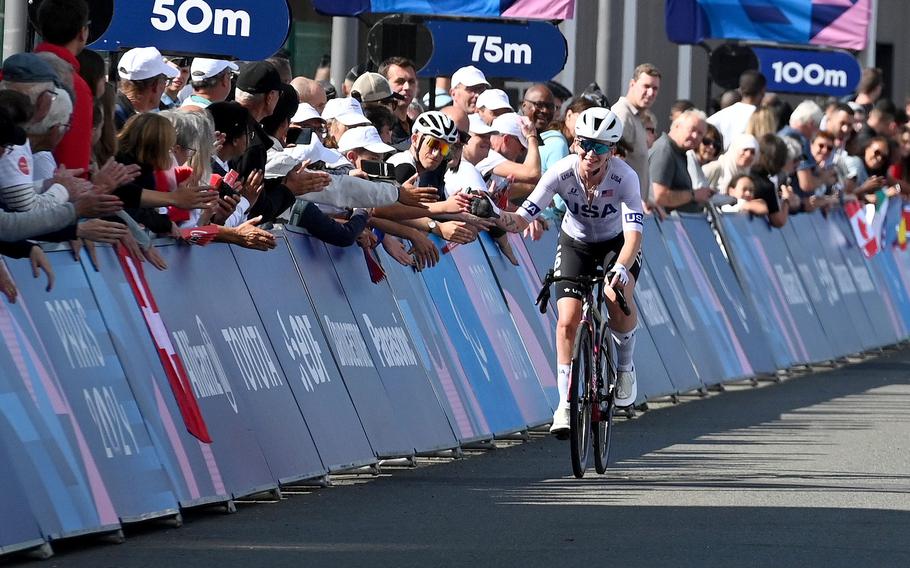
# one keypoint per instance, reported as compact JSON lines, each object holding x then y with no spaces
{"x":560,"y":426}
{"x":626,"y":390}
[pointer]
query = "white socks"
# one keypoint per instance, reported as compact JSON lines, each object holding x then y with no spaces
{"x":625,"y":349}
{"x":562,"y":382}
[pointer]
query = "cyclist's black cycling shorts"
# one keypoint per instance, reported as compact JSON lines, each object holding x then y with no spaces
{"x":575,"y":258}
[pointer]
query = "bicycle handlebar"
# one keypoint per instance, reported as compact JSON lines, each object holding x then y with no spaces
{"x":587,"y":281}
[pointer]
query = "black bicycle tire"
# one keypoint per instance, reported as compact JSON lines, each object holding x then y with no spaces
{"x":603,"y":431}
{"x":580,"y":401}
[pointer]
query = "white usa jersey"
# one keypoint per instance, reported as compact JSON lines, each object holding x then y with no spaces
{"x":614,"y":208}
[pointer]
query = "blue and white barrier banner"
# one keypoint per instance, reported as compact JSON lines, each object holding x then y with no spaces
{"x":303,"y":352}
{"x":506,"y":345}
{"x":477,"y":357}
{"x":393,"y":353}
{"x":252,"y":382}
{"x":198,"y":316}
{"x":706,"y":301}
{"x":534,"y":329}
{"x":190,"y":466}
{"x":91,"y":388}
{"x":385,"y":429}
{"x":739,"y":308}
{"x":681,"y":304}
{"x":437,"y":352}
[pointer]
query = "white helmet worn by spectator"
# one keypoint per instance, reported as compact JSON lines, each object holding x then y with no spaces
{"x":437,"y":125}
{"x":599,"y":124}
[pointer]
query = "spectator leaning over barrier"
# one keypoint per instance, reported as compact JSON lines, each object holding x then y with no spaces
{"x":64,"y":28}
{"x":737,"y":160}
{"x":742,"y":188}
{"x":363,"y":143}
{"x":309,"y":92}
{"x":641,"y":94}
{"x":668,"y":166}
{"x":401,"y":73}
{"x":515,"y":154}
{"x":872,"y":169}
{"x":143,"y":77}
{"x":733,"y":119}
{"x":467,"y":84}
{"x":766,"y":176}
{"x":210,"y":80}
{"x":492,"y":103}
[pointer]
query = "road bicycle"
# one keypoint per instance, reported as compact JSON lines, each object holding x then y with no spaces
{"x":592,"y":381}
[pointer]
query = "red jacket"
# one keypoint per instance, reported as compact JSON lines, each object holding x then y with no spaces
{"x":75,"y":150}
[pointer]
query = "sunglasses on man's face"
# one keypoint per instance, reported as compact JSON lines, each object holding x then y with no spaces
{"x":599,"y":148}
{"x":436,"y":144}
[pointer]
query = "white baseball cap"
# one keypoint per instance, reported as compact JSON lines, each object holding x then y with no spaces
{"x":494,"y":99}
{"x":345,"y":110}
{"x":469,"y":76}
{"x":510,"y":123}
{"x":203,"y":68}
{"x":305,"y":112}
{"x":478,"y":126}
{"x":144,"y":63}
{"x":366,"y":137}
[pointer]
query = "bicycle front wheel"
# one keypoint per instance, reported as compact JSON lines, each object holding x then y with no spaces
{"x":580,"y":400}
{"x":603,"y":429}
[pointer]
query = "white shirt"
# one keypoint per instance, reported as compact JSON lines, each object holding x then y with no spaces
{"x":489,"y":163}
{"x":732,"y":120}
{"x":614,"y":208}
{"x":465,"y":177}
{"x":17,"y":187}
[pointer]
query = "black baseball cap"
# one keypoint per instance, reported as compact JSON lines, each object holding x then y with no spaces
{"x":259,"y":77}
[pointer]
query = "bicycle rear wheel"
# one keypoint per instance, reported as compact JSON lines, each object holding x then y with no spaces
{"x":603,"y":429}
{"x":580,"y":399}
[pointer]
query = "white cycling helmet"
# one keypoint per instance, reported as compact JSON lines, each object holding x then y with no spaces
{"x":437,"y":125}
{"x":599,"y":124}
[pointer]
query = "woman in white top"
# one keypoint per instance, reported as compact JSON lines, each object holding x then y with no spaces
{"x":737,"y":160}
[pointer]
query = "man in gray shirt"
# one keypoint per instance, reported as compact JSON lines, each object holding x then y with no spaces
{"x":642,"y":93}
{"x":671,"y":186}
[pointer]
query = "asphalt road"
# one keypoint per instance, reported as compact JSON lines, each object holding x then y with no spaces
{"x":811,"y":472}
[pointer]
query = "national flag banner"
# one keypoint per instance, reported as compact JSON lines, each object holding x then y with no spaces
{"x":170,"y":359}
{"x":199,"y":236}
{"x":857,"y":217}
{"x":876,"y":216}
{"x":903,"y":226}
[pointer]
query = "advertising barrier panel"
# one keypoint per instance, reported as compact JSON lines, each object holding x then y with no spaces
{"x":680,"y":302}
{"x":741,"y":313}
{"x":759,"y":282}
{"x":251,"y":372}
{"x":543,"y":251}
{"x":393,"y":353}
{"x":195,"y":309}
{"x":437,"y":352}
{"x":18,"y":526}
{"x":104,"y":419}
{"x":706,"y":301}
{"x":828,"y":236}
{"x":818,"y":280}
{"x":384,"y":427}
{"x":303,"y":352}
{"x":489,"y":304}
{"x":191,"y":468}
{"x":875,"y":301}
{"x":532,"y":326}
{"x":453,"y":303}
{"x":65,"y":497}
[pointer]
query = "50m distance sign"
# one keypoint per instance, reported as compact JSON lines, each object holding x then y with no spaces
{"x":531,"y":51}
{"x":235,"y":29}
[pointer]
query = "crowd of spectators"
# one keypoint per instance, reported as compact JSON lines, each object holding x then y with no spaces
{"x":181,"y":144}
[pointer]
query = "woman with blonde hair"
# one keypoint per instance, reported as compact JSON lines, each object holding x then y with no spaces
{"x":763,"y":121}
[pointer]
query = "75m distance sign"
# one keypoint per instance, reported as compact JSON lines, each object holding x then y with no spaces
{"x":531,"y":51}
